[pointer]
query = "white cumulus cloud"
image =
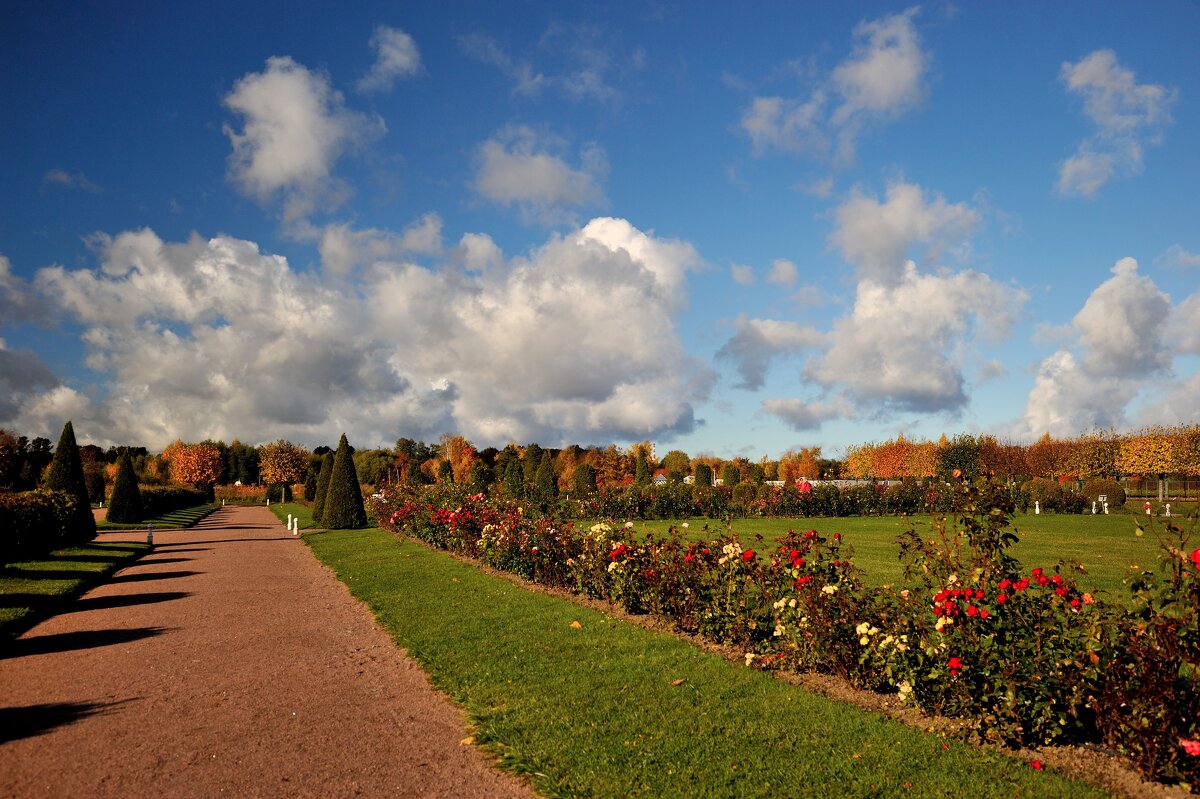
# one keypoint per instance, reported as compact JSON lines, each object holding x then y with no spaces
{"x":759,"y":341}
{"x":517,"y":167}
{"x":1117,"y":346}
{"x":343,"y":248}
{"x":211,"y":337}
{"x":295,"y":128}
{"x":1128,"y":116}
{"x":396,"y":56}
{"x":881,"y":80}
{"x":906,"y":346}
{"x":878,"y":237}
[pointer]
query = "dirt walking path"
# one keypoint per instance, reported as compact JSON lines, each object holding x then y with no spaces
{"x":227,"y":662}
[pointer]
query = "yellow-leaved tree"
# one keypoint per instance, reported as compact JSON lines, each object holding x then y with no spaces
{"x":282,"y":463}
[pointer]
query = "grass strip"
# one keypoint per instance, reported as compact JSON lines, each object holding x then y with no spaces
{"x":176,"y":519}
{"x":605,"y":708}
{"x":33,"y":590}
{"x":1105,"y":546}
{"x":283,"y":509}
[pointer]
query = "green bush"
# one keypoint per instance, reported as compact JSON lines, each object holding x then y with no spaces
{"x":1095,"y":488}
{"x":33,"y":523}
{"x":322,"y":486}
{"x":161,"y":500}
{"x":66,"y":474}
{"x":125,"y":504}
{"x":343,"y":500}
{"x":1045,"y":491}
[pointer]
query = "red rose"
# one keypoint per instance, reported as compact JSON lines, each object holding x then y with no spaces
{"x":748,"y":555}
{"x":1196,"y":557}
{"x":1036,"y":764}
{"x":1001,"y":598}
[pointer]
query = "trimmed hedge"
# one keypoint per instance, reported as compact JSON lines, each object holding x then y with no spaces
{"x":125,"y":504}
{"x":160,"y":500}
{"x":33,"y":523}
{"x":343,"y":499}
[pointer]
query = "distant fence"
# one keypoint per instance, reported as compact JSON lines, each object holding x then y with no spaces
{"x":1172,"y":487}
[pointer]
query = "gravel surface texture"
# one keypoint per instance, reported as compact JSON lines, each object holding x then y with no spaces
{"x":228,"y":662}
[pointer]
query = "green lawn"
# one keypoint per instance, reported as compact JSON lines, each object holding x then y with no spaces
{"x":587,"y":705}
{"x":175,"y":519}
{"x":33,"y":590}
{"x":1105,"y":546}
{"x":282,"y":509}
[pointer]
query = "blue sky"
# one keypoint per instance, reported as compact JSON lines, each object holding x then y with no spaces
{"x":729,"y":230}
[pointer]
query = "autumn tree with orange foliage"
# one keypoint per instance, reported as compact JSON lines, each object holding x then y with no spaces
{"x":1048,"y":456}
{"x":858,"y":461}
{"x":891,"y":459}
{"x":461,"y":454}
{"x":282,"y":463}
{"x":193,"y":464}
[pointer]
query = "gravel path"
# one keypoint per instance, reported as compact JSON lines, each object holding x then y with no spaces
{"x":227,"y":662}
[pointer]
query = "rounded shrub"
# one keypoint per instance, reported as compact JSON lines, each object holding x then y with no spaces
{"x":1095,"y":488}
{"x":1047,"y":492}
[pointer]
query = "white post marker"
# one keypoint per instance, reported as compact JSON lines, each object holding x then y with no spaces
{"x":1147,"y":507}
{"x":1168,"y":513}
{"x":1093,"y":508}
{"x":1037,"y":507}
{"x":150,"y":534}
{"x":296,"y":528}
{"x":289,"y":522}
{"x":1105,"y":508}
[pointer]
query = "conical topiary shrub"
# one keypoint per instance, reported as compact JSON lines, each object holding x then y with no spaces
{"x":125,"y":504}
{"x":66,"y":474}
{"x":343,"y":499}
{"x":322,"y":486}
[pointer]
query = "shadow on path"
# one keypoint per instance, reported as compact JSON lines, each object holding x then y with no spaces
{"x":141,"y":578}
{"x":83,"y":639}
{"x":26,"y":722}
{"x":124,"y":601}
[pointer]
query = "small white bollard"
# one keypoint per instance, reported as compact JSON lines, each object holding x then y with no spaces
{"x":1105,"y":508}
{"x":1093,"y":508}
{"x":296,"y":527}
{"x":150,"y":534}
{"x":1147,"y":508}
{"x":289,"y":522}
{"x":1037,"y":507}
{"x":268,"y":502}
{"x":1168,"y":513}
{"x":222,"y":503}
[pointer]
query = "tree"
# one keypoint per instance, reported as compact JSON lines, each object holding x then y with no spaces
{"x":344,"y":508}
{"x":677,"y":461}
{"x":480,"y":477}
{"x":544,"y":483}
{"x":310,"y":477}
{"x":445,"y":472}
{"x":460,"y":454}
{"x":125,"y":504}
{"x":322,"y":486}
{"x":282,"y":463}
{"x":194,"y":464}
{"x":585,"y":479}
{"x":641,"y":469}
{"x":514,"y":479}
{"x":531,"y":461}
{"x":704,"y":475}
{"x":241,"y":464}
{"x":959,"y":458}
{"x":730,"y":475}
{"x":66,"y":475}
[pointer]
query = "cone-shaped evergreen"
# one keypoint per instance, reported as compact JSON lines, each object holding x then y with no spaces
{"x":66,"y":474}
{"x":322,"y":486}
{"x":514,"y":479}
{"x":545,"y":484}
{"x":343,"y":499}
{"x":641,"y":471}
{"x":125,"y":504}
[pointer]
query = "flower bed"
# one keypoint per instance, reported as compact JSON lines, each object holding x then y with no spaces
{"x":1020,"y":653}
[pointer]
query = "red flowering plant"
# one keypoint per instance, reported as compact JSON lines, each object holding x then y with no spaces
{"x":820,"y":609}
{"x":978,"y":636}
{"x":733,"y":595}
{"x":1149,"y":702}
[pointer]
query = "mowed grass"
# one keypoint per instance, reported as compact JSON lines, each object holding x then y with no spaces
{"x":1105,"y":546}
{"x":283,"y":509}
{"x":587,"y":705}
{"x":35,"y":589}
{"x":175,"y":519}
